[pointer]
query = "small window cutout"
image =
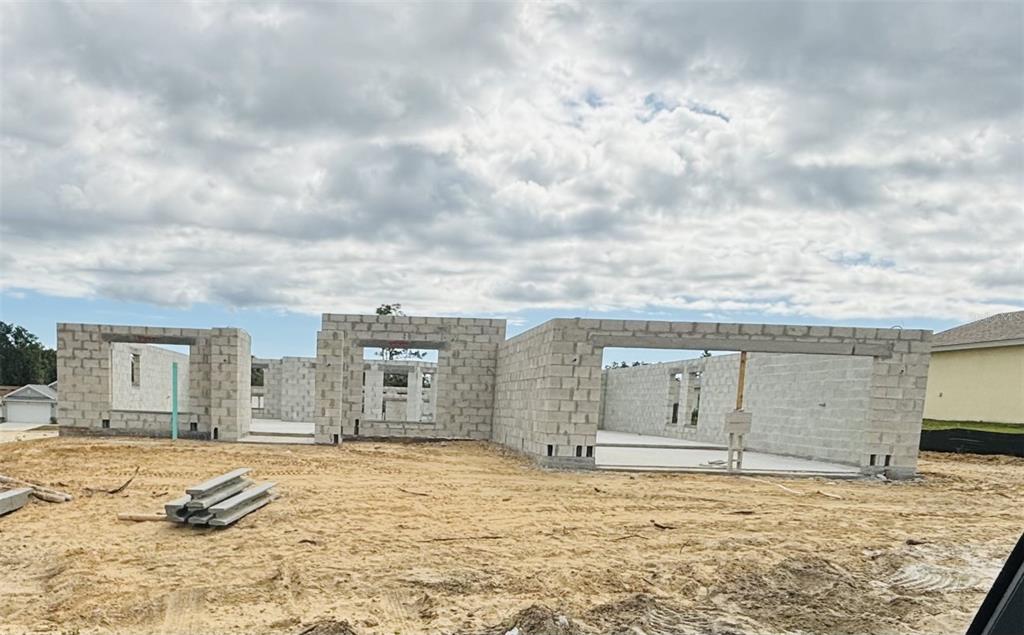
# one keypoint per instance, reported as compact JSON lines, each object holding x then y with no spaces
{"x":551,"y":450}
{"x":215,"y":434}
{"x":336,"y":439}
{"x":579,"y":450}
{"x":105,"y":423}
{"x":675,"y":413}
{"x":357,"y":428}
{"x":874,"y":459}
{"x":136,"y":368}
{"x":888,"y":459}
{"x":193,"y":426}
{"x":590,"y":451}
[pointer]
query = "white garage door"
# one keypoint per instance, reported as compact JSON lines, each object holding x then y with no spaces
{"x":23,"y":412}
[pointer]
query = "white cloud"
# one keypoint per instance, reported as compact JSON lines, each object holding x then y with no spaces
{"x":833,"y":161}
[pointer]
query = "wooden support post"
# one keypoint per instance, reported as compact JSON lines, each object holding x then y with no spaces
{"x":736,"y":439}
{"x":174,"y":400}
{"x":741,"y":381}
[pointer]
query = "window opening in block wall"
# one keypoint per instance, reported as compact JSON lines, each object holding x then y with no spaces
{"x":400,"y":384}
{"x":141,"y":374}
{"x":136,"y":369}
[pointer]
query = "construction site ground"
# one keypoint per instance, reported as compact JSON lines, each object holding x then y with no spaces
{"x":462,"y":537}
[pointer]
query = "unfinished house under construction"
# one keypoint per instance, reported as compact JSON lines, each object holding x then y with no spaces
{"x":831,"y":400}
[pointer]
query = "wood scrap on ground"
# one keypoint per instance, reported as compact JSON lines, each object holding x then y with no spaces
{"x":141,"y":517}
{"x":458,"y":538}
{"x":39,"y":491}
{"x":793,"y":491}
{"x":628,"y":536}
{"x":116,"y":490}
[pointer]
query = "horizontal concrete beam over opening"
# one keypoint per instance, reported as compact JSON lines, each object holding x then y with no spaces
{"x":737,"y":343}
{"x":397,"y":367}
{"x":132,"y":338}
{"x":436,"y":345}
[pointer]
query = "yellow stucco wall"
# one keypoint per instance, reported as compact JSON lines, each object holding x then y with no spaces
{"x":983,"y":384}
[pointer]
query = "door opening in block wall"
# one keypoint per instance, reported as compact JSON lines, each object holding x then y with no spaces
{"x":683,"y":405}
{"x":658,"y":389}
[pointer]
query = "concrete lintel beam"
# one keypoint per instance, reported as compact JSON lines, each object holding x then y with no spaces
{"x":397,"y":343}
{"x":128,"y":338}
{"x":729,"y":344}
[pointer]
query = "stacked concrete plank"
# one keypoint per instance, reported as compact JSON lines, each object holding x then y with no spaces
{"x":13,"y":499}
{"x":219,"y":501}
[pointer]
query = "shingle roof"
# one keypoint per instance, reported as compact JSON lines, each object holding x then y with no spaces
{"x":995,"y":328}
{"x":42,"y":392}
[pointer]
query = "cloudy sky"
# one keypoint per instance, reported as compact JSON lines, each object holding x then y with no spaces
{"x":851,"y":163}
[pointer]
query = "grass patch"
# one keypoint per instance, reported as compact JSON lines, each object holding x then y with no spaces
{"x":984,"y":426}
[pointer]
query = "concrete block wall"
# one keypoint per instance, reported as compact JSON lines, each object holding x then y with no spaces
{"x":84,"y":367}
{"x":572,"y":349}
{"x":154,"y":389}
{"x":271,"y":388}
{"x":230,"y":383}
{"x":636,"y":399}
{"x":811,"y":406}
{"x":548,"y":394}
{"x":298,"y":379}
{"x":467,"y":360}
{"x":539,"y":392}
{"x":289,"y":387}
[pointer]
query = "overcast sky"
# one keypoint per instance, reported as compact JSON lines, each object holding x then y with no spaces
{"x":778,"y":160}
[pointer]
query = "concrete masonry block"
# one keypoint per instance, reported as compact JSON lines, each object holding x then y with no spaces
{"x":749,"y":329}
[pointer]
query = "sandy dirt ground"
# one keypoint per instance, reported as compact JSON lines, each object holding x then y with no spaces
{"x":463,"y":538}
{"x":10,"y":433}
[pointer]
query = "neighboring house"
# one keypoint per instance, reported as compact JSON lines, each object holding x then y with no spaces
{"x":34,"y":403}
{"x":977,"y":371}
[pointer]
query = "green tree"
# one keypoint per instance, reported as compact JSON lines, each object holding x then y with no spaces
{"x":396,"y":353}
{"x":396,"y":379}
{"x":23,"y":358}
{"x":625,"y":365}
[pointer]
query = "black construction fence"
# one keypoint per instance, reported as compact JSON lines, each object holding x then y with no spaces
{"x":972,"y":441}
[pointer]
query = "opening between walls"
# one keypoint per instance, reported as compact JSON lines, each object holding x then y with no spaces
{"x":401,"y":385}
{"x":653,"y":391}
{"x":141,"y":377}
{"x":684,"y":397}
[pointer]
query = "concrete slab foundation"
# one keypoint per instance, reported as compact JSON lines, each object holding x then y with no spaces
{"x":626,"y":451}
